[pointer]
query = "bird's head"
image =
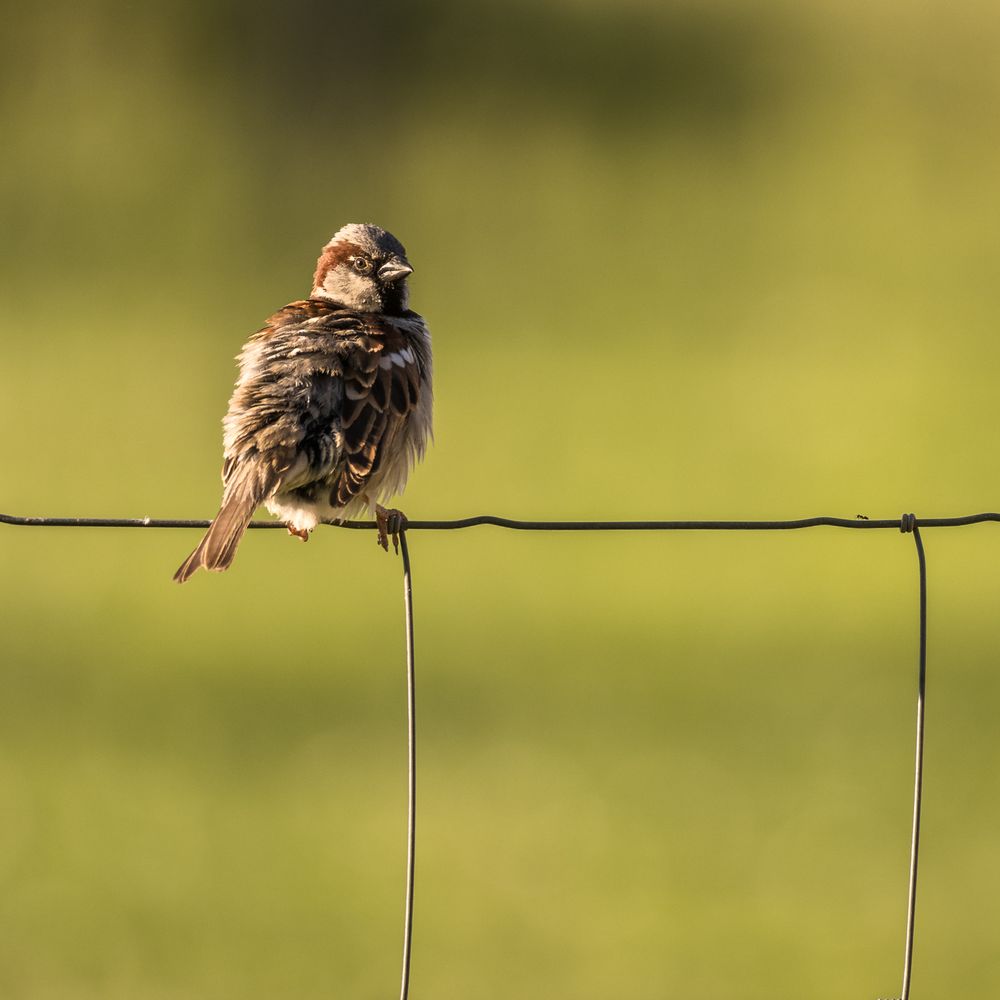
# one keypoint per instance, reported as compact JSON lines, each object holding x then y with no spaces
{"x":364,"y":268}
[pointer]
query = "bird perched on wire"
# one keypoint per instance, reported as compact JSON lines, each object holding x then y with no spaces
{"x":332,"y":405}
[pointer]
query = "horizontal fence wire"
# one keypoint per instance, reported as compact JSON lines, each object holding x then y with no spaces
{"x":907,"y":523}
{"x":519,"y":525}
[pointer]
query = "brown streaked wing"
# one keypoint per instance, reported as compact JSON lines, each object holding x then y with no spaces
{"x":378,"y":397}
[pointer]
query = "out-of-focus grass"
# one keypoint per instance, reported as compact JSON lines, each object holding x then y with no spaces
{"x":698,"y":263}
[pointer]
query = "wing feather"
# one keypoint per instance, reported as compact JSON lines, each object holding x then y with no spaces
{"x":321,"y":390}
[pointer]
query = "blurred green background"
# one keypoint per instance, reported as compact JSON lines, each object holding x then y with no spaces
{"x":688,"y":260}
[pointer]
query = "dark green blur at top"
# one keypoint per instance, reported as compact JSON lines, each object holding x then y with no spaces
{"x":682,"y":260}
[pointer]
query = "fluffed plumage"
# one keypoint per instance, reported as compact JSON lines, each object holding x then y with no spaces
{"x":332,"y":406}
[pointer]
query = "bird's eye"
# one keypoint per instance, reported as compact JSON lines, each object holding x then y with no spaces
{"x":362,"y":264}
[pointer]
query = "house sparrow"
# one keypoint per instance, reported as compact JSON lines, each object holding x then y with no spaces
{"x":332,"y":405}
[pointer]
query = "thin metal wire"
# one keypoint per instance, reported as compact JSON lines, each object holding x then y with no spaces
{"x":411,"y":767}
{"x":910,"y":523}
{"x":506,"y":522}
{"x":907,"y":524}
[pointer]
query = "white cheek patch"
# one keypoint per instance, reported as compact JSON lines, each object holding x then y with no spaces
{"x":345,"y":286}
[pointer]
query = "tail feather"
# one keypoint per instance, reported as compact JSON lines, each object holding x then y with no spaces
{"x":217,"y":549}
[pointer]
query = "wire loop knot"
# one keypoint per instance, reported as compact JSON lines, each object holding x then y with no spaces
{"x":908,"y":523}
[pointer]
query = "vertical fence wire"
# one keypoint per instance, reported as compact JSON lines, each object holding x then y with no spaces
{"x":906,"y":524}
{"x":909,"y":524}
{"x":411,"y":768}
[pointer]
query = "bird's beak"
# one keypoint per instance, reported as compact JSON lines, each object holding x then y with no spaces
{"x":394,"y":269}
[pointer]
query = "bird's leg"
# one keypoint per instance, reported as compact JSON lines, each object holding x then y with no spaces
{"x":302,"y":533}
{"x":390,"y":522}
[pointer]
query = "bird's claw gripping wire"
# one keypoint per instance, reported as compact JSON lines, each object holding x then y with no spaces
{"x":391,"y":523}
